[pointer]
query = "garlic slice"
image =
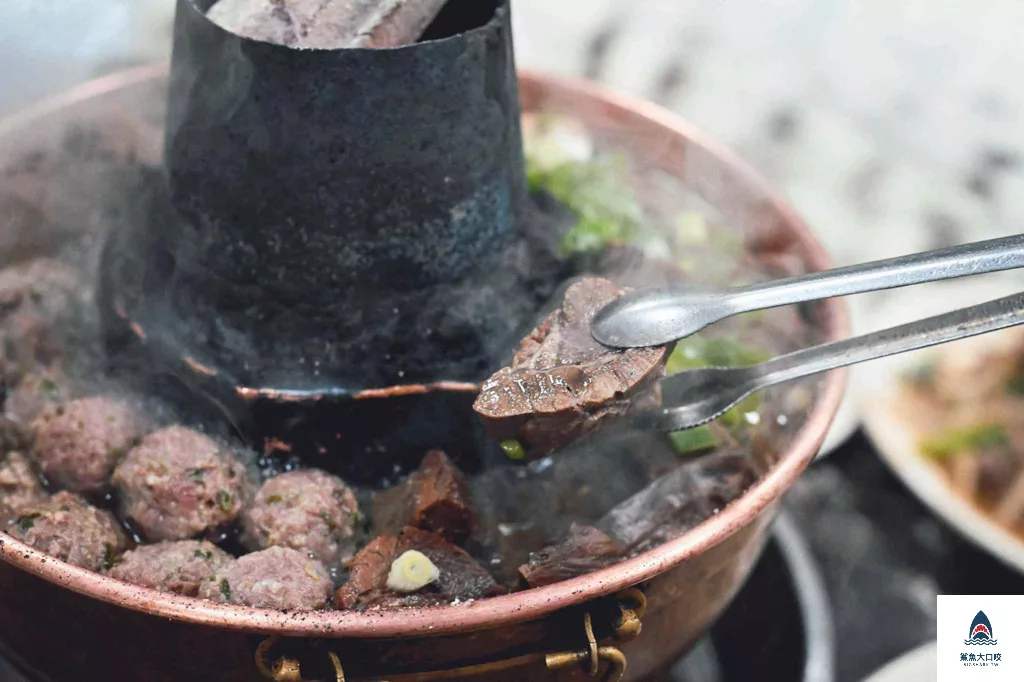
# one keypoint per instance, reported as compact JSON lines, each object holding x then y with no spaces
{"x":411,"y":572}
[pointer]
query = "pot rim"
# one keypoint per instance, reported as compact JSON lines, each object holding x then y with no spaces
{"x":519,"y":606}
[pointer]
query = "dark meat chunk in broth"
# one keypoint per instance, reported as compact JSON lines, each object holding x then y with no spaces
{"x":435,"y":497}
{"x":669,"y":506}
{"x":78,"y":444}
{"x":68,"y":528}
{"x":679,"y":501}
{"x":309,"y":510}
{"x":178,"y":483}
{"x":19,"y":485}
{"x":178,"y":567}
{"x":459,"y":577}
{"x":276,"y":578}
{"x":524,"y":509}
{"x":587,"y":549}
{"x":562,"y":384}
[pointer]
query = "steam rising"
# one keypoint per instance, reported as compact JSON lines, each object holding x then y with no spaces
{"x":63,"y":201}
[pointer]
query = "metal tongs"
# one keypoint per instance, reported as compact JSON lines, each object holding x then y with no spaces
{"x":694,"y":397}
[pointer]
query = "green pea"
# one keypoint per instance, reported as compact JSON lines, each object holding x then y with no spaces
{"x":513,"y":449}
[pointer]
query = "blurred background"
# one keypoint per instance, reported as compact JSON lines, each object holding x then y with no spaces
{"x":892,"y":127}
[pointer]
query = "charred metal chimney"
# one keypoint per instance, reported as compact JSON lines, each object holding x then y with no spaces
{"x":337,"y":245}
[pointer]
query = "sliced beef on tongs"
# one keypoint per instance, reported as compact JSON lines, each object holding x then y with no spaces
{"x":561,"y":383}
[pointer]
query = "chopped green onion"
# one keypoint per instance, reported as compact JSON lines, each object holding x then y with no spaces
{"x":691,"y":229}
{"x":957,"y":441}
{"x":725,"y":351}
{"x":922,"y":375}
{"x":696,"y":439}
{"x":326,"y":516}
{"x":108,"y":556}
{"x":696,"y":352}
{"x":224,"y":500}
{"x":25,"y":523}
{"x":597,"y":191}
{"x":736,"y":416}
{"x":1015,"y":384}
{"x":49,"y":390}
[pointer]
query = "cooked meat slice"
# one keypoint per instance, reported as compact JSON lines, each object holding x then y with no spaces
{"x":179,"y":567}
{"x":561,"y":383}
{"x":309,"y":510}
{"x":435,"y":497}
{"x":459,"y":576}
{"x":585,"y":550}
{"x":679,"y":500}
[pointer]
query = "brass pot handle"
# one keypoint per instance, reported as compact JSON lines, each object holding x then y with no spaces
{"x":284,"y":669}
{"x":632,"y":604}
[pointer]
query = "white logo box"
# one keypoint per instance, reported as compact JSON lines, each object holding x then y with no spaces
{"x":979,"y":637}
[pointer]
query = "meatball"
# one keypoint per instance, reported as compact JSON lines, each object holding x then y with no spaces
{"x":19,"y":485}
{"x":179,"y":567}
{"x":275,"y":578}
{"x":78,"y":444}
{"x":36,"y":391}
{"x":32,"y":297}
{"x":67,"y":527}
{"x":178,"y":483}
{"x":309,"y":510}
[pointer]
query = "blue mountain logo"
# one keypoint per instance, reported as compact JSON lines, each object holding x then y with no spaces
{"x":981,"y":631}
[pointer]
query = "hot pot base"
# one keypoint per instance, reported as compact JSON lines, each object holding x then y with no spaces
{"x":114,"y":630}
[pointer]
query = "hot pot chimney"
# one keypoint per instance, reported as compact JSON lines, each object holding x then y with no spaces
{"x":325,"y":255}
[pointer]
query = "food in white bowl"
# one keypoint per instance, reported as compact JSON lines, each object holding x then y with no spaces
{"x":949,"y":420}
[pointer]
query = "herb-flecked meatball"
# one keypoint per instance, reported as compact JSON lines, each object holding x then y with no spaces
{"x":67,"y":527}
{"x":180,"y":566}
{"x":178,"y":483}
{"x":33,"y":295}
{"x":19,"y":485}
{"x":308,"y":510}
{"x":275,"y":578}
{"x":78,"y":444}
{"x":37,"y":390}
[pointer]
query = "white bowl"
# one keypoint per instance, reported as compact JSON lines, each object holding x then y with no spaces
{"x":876,"y":391}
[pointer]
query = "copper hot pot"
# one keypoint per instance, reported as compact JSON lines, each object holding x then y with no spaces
{"x":60,"y":622}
